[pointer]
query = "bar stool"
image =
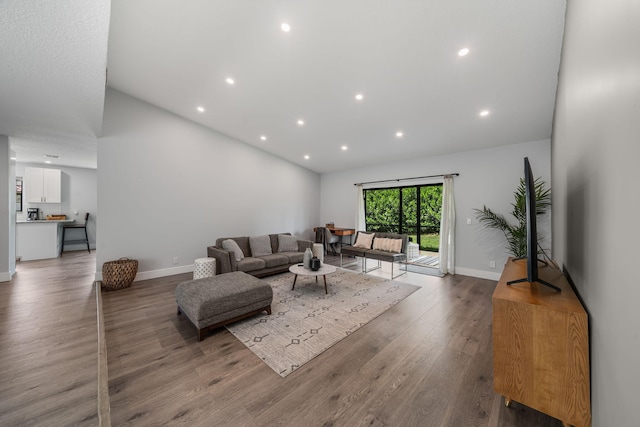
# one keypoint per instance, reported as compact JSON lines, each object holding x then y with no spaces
{"x":78,"y":227}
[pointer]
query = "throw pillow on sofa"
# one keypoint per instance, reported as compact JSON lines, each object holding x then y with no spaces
{"x":364,"y":240}
{"x":381,"y":244}
{"x":231,"y":245}
{"x":395,"y":245}
{"x":287,"y":243}
{"x":260,"y":245}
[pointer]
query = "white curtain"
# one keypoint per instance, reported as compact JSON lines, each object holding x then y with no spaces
{"x":360,"y":222}
{"x":447,"y":227}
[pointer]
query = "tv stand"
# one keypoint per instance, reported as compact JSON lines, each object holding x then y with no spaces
{"x":541,"y":346}
{"x":538,"y":280}
{"x":542,"y":282}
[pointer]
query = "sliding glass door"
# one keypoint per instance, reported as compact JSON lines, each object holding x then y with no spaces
{"x":413,"y":210}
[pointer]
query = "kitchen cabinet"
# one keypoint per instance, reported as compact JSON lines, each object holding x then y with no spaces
{"x":43,"y":185}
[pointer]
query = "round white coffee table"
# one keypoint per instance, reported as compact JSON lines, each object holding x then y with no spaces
{"x":323,"y":271}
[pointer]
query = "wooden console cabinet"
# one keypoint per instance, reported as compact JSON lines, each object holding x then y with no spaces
{"x":541,"y":345}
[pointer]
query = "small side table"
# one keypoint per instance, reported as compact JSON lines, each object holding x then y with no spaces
{"x":318,"y":251}
{"x":413,"y":250}
{"x":204,"y":267}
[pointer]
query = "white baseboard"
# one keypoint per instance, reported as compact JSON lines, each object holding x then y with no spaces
{"x":481,"y":274}
{"x":5,"y":276}
{"x":153,"y":274}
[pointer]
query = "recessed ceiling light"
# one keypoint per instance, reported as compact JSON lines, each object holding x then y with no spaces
{"x":399,"y":134}
{"x":13,"y":158}
{"x":463,"y":52}
{"x":47,"y":161}
{"x":285,"y":27}
{"x":230,"y":81}
{"x":306,"y":157}
{"x":344,"y":148}
{"x":300,"y":122}
{"x":484,"y":113}
{"x":200,"y":109}
{"x":262,"y":137}
{"x":359,"y":96}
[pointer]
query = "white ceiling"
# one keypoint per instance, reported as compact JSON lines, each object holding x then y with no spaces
{"x":401,"y":55}
{"x":53,"y":57}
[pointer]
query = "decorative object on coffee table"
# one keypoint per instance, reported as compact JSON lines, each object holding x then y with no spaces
{"x":306,"y":258}
{"x":119,"y":274}
{"x":323,"y":271}
{"x":204,"y":267}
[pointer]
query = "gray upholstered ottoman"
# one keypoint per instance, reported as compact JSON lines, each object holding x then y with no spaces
{"x":212,"y":302}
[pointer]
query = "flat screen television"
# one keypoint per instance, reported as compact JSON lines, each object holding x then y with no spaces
{"x":532,"y":233}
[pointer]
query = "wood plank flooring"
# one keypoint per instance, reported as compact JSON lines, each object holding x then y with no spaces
{"x":48,"y":344}
{"x":425,"y":362}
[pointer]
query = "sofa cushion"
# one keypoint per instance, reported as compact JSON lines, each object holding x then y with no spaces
{"x":275,"y":260}
{"x":232,"y":245}
{"x":294,"y":257}
{"x":364,"y":240}
{"x":352,"y":251}
{"x":260,"y":245}
{"x":251,"y":264}
{"x":287,"y":243}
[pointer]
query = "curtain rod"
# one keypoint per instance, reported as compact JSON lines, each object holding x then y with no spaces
{"x":405,"y":179}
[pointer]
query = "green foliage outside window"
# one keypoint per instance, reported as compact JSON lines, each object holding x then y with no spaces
{"x":415,"y":211}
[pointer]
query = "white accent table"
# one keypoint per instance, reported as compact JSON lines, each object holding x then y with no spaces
{"x":204,"y":267}
{"x":318,"y":251}
{"x":413,"y":251}
{"x":323,"y":271}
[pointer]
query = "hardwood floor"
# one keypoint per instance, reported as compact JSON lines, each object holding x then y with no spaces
{"x":425,"y":362}
{"x":48,"y":343}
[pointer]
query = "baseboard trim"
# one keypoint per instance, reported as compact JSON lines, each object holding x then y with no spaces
{"x":154,"y":274}
{"x":5,"y":276}
{"x":478,"y":273}
{"x":104,"y":412}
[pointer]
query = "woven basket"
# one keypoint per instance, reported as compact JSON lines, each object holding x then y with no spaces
{"x":119,"y":274}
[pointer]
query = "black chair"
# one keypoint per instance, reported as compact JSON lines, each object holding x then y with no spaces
{"x":78,"y":227}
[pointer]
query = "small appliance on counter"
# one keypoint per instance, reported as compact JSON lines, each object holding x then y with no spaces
{"x":33,"y":214}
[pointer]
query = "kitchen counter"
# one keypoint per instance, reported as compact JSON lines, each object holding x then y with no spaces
{"x":39,"y":221}
{"x":39,"y":239}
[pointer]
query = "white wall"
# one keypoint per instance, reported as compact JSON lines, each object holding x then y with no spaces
{"x":595,"y":152}
{"x":168,"y":187}
{"x":488,"y":176}
{"x":7,"y":211}
{"x":79,"y":192}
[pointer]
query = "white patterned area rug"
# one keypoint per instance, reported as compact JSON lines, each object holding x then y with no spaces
{"x":305,"y":322}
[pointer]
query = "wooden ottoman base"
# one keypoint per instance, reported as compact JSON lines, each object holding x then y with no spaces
{"x":213,"y":302}
{"x":203,"y":332}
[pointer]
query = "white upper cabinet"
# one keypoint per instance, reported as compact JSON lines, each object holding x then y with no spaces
{"x":43,"y":185}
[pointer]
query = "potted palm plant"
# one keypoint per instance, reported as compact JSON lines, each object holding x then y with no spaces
{"x":516,"y":234}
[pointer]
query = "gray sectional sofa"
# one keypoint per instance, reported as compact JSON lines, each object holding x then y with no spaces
{"x":271,"y":256}
{"x":373,"y":251}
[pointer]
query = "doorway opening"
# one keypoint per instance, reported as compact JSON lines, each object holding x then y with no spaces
{"x":414,"y":210}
